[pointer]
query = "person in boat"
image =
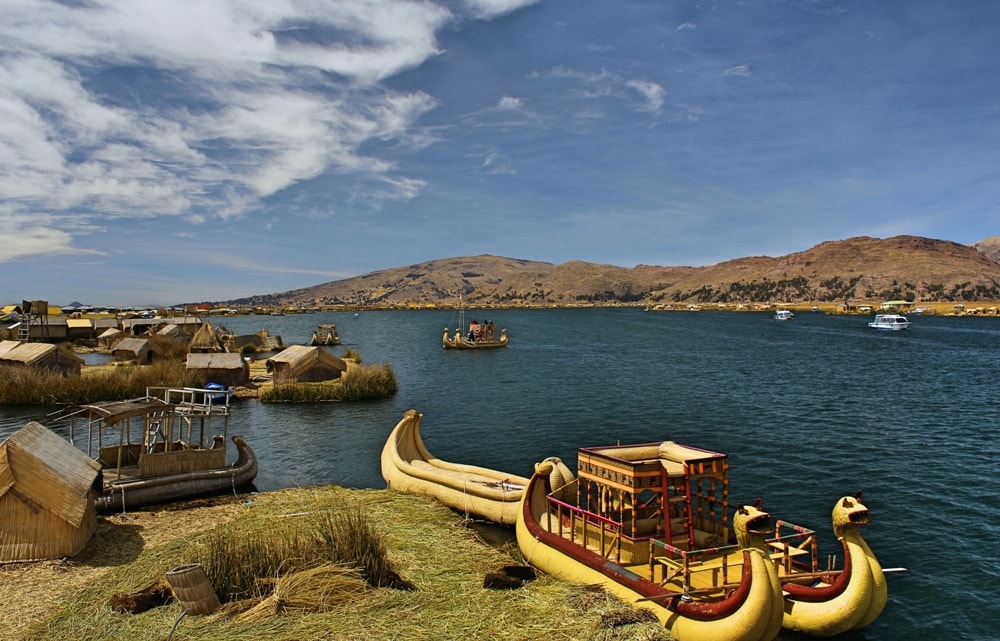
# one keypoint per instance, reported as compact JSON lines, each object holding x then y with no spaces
{"x":473,"y":330}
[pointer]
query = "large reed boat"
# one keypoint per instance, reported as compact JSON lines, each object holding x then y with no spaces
{"x":475,"y":492}
{"x":654,"y":525}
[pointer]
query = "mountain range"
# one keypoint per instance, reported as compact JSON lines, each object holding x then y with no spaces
{"x":856,"y":269}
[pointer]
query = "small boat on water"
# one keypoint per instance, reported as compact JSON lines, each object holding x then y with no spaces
{"x":476,"y":492}
{"x":783,"y":314}
{"x":158,"y":449}
{"x":478,"y":336}
{"x":889,"y":322}
{"x":652,"y":523}
{"x":325,"y":334}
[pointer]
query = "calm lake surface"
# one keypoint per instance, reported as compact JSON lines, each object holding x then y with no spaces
{"x":809,"y":410}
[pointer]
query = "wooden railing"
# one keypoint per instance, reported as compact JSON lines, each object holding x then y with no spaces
{"x":595,"y":532}
{"x":788,"y":541}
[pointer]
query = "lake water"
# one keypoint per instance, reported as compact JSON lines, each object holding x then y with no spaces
{"x":809,"y":410}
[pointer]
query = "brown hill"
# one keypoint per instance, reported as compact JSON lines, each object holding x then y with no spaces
{"x":990,"y":246}
{"x":856,"y":269}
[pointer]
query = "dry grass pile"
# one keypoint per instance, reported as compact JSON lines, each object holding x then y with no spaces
{"x":314,"y":590}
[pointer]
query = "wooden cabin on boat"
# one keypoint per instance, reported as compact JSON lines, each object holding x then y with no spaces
{"x":46,"y":496}
{"x":304,"y":364}
{"x":140,"y":350}
{"x":170,"y":431}
{"x":675,"y":493}
{"x":231,"y":370}
{"x":42,"y":356}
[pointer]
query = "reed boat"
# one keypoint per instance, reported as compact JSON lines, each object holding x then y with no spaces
{"x":128,"y":493}
{"x":325,"y":334}
{"x":476,"y":492}
{"x":162,"y":448}
{"x":477,"y":336}
{"x":652,"y":523}
{"x":457,"y":341}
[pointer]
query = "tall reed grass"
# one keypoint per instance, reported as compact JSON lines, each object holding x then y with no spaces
{"x":245,"y":563}
{"x":361,"y":383}
{"x":29,"y":386}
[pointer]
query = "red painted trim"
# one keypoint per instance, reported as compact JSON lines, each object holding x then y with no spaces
{"x":825,"y":593}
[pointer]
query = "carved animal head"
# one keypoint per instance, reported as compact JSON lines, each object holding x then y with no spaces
{"x":849,"y":513}
{"x":751,"y":525}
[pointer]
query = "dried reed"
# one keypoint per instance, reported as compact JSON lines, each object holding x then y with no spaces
{"x":317,"y":589}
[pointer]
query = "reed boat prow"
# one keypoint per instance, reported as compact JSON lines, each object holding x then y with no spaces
{"x":477,"y":492}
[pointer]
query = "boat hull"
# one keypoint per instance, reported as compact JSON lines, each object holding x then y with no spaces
{"x":474,"y":491}
{"x":141,"y":492}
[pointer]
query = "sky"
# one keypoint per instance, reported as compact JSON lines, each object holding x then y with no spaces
{"x":173,"y":151}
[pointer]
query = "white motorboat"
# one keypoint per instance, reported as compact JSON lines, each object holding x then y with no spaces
{"x":890,"y":322}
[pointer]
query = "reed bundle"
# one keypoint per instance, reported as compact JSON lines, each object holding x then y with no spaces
{"x":317,"y":589}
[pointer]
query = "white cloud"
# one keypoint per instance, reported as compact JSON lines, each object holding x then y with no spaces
{"x":739,"y":70}
{"x":508,"y":103}
{"x":487,"y":9}
{"x":199,"y":109}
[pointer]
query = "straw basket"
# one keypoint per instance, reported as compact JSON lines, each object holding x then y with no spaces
{"x":192,"y":589}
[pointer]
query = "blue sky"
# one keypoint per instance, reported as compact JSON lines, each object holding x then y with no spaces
{"x":170,"y":151}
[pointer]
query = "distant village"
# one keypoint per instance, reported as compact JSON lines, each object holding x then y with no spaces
{"x":45,"y":337}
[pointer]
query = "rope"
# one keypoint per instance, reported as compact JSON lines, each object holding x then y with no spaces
{"x":175,"y":624}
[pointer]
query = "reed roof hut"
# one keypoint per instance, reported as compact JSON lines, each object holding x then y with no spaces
{"x":304,"y":364}
{"x":109,"y":336}
{"x":136,"y":349}
{"x":40,"y":356}
{"x":226,"y":369}
{"x":46,"y":500}
{"x":205,"y":340}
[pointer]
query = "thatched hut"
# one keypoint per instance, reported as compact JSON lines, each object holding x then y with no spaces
{"x":261,"y":341}
{"x":136,"y":349}
{"x":227,"y":369}
{"x":109,"y":336}
{"x":304,"y":364}
{"x":205,"y":340}
{"x":79,"y":329}
{"x":46,"y":500}
{"x":40,"y":356}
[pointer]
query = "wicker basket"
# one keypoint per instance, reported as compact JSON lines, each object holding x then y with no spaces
{"x":192,"y":589}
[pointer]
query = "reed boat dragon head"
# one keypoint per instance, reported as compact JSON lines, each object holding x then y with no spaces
{"x":752,"y":525}
{"x":849,"y":513}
